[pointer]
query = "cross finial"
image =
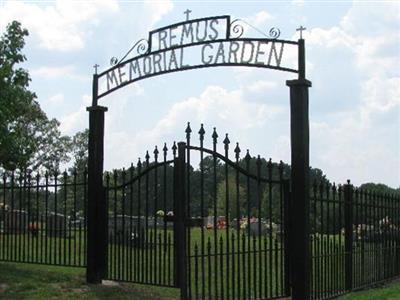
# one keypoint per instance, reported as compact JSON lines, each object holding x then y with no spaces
{"x":95,"y":68}
{"x":187,"y":13}
{"x":301,"y":29}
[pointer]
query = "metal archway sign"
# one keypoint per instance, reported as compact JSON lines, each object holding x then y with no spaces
{"x":194,"y":44}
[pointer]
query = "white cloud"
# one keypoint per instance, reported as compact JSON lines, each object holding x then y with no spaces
{"x":261,"y":86}
{"x":350,"y":150}
{"x":370,"y":37}
{"x":158,"y":9}
{"x":298,"y":2}
{"x":58,"y":72}
{"x":59,"y":26}
{"x":56,"y":99}
{"x":215,"y":106}
{"x":77,"y":120}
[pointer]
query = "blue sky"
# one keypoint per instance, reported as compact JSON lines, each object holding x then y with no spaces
{"x":353,"y":61}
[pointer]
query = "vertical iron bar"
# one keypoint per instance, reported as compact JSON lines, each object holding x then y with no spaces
{"x":233,"y":264}
{"x":196,"y":271}
{"x":258,"y":197}
{"x":254,"y":254}
{"x":247,"y":159}
{"x":165,"y":149}
{"x":328,"y":252}
{"x":140,"y":257}
{"x":13,"y":231}
{"x":238,"y":218}
{"x":169,"y":258}
{"x":227,"y":218}
{"x":221,"y":266}
{"x":348,"y":199}
{"x":209,"y":266}
{"x":116,"y":237}
{"x":188,"y":205}
{"x":132,"y":235}
{"x":215,"y":229}
{"x":244,"y":275}
{"x":30,"y":227}
{"x":146,"y":235}
{"x":57,"y":227}
{"x":20,"y":225}
{"x":65,"y":230}
{"x":281,"y":230}
{"x":155,"y":209}
{"x":180,"y":209}
{"x":122,"y":245}
{"x":110,"y":252}
{"x":202,"y":251}
{"x":46,"y":238}
{"x":74,"y":215}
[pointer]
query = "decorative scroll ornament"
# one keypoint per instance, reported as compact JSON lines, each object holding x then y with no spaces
{"x":113,"y":61}
{"x":274,"y":33}
{"x":238,"y":29}
{"x":142,"y":47}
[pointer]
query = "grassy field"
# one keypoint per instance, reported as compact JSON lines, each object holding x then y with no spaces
{"x":386,"y":292}
{"x":27,"y":281}
{"x":255,"y":269}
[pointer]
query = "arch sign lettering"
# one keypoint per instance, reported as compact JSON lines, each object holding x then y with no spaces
{"x":199,"y":43}
{"x":194,"y":44}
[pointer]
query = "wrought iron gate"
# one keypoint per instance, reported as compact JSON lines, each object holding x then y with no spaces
{"x":217,"y":231}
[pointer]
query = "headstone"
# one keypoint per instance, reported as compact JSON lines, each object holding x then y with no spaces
{"x":123,"y":228}
{"x":15,"y":221}
{"x":56,"y":225}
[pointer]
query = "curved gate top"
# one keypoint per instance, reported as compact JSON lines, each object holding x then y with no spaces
{"x":200,"y":43}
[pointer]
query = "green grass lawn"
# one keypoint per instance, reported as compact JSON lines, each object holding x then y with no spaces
{"x":387,"y":292}
{"x":28,"y":281}
{"x":256,"y":269}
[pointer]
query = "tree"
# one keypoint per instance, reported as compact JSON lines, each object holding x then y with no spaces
{"x":28,"y":139}
{"x":79,"y":150}
{"x":236,"y":197}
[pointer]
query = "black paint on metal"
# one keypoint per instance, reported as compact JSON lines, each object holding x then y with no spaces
{"x":299,"y":132}
{"x":348,"y":238}
{"x":97,"y":209}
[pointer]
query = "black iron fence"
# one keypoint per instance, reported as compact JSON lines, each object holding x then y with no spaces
{"x":355,"y":239}
{"x":236,"y":220}
{"x":42,"y":218}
